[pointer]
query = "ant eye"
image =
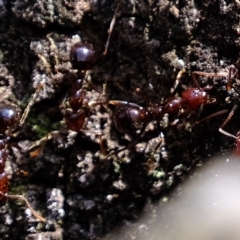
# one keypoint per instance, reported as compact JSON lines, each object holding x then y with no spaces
{"x":82,"y":56}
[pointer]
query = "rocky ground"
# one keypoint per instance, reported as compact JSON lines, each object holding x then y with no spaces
{"x":82,"y":193}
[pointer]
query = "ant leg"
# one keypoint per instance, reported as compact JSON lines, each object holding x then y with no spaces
{"x":179,"y":75}
{"x":210,"y":116}
{"x":117,"y":102}
{"x":102,"y":145}
{"x":237,"y":142}
{"x":226,"y":121}
{"x":40,"y":144}
{"x":46,"y":64}
{"x":229,"y":84}
{"x":21,"y":197}
{"x":30,"y":103}
{"x":237,"y":137}
{"x":53,"y":48}
{"x":199,"y":112}
{"x":111,"y":28}
{"x":205,"y":74}
{"x":42,"y":83}
{"x":132,"y":144}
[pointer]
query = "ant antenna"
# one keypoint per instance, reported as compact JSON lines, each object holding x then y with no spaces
{"x":179,"y":75}
{"x":111,"y":28}
{"x":229,"y":84}
{"x":21,"y":197}
{"x":226,"y":121}
{"x":130,"y":145}
{"x":205,"y":74}
{"x":30,"y":103}
{"x":210,"y":116}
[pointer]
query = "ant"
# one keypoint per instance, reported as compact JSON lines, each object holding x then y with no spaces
{"x":129,"y":117}
{"x":83,"y":58}
{"x":75,"y":106}
{"x":10,"y":121}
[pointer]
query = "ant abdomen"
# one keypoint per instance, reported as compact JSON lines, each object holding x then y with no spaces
{"x":82,"y":56}
{"x":9,"y":117}
{"x":128,"y":118}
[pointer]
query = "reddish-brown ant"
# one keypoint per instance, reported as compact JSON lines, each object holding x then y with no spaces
{"x":76,"y":106}
{"x":129,"y":117}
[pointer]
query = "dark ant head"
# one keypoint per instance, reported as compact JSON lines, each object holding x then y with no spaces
{"x":9,"y":117}
{"x":194,"y":98}
{"x":82,"y":56}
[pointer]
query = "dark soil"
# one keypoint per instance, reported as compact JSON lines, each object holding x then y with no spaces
{"x":82,"y":194}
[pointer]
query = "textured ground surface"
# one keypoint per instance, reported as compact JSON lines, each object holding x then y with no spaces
{"x":82,"y":195}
